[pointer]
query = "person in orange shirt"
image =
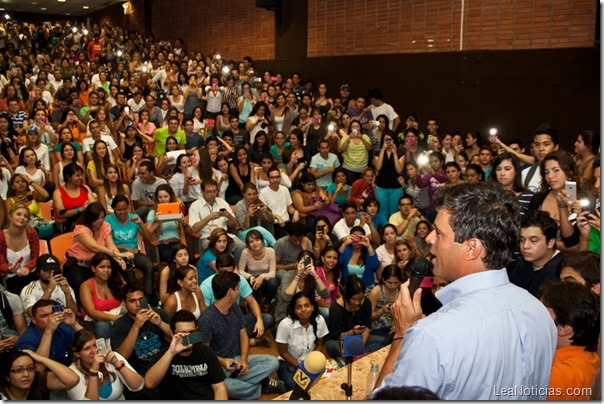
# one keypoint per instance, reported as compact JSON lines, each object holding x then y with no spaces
{"x":576,"y":313}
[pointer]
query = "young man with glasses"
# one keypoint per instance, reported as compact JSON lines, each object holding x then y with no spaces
{"x":406,"y":219}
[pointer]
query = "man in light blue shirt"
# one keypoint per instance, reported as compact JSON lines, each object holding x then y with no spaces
{"x":491,"y":339}
{"x":323,"y":164}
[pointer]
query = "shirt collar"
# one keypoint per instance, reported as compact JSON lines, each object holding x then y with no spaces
{"x":470,"y":283}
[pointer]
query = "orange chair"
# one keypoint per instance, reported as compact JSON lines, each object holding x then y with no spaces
{"x":46,"y":210}
{"x":60,"y":244}
{"x":43,"y":247}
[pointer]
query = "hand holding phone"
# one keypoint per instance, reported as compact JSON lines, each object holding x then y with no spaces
{"x":144,"y":304}
{"x":192,"y":338}
{"x":571,"y":190}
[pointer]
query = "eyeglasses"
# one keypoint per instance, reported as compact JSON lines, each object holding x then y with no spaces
{"x":272,"y":177}
{"x":21,"y":370}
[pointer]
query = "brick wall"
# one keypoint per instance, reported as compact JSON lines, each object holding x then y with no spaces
{"x":114,"y":15}
{"x":234,"y":28}
{"x":357,"y":27}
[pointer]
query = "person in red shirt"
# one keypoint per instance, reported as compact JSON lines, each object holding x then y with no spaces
{"x":95,"y":47}
{"x":363,"y":187}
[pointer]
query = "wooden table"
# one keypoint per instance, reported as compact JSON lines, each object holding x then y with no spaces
{"x":329,"y":388}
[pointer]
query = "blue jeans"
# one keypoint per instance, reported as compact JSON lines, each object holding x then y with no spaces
{"x":286,"y":375}
{"x":268,"y":289}
{"x":388,"y":198}
{"x":248,"y":387}
{"x":102,"y":329}
{"x":250,"y":322}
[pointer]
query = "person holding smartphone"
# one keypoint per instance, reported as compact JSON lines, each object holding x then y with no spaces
{"x":139,"y":335}
{"x":382,"y":297}
{"x":184,"y":371}
{"x":50,"y":285}
{"x":103,"y":374}
{"x":349,"y":315}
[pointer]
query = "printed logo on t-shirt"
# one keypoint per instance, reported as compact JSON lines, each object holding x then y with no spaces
{"x":189,"y":370}
{"x":147,"y":345}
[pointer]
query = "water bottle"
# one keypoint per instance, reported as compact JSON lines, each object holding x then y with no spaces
{"x":372,"y":377}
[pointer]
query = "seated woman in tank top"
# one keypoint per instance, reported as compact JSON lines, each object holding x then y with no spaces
{"x":184,"y":292}
{"x":101,"y":295}
{"x":72,"y":198}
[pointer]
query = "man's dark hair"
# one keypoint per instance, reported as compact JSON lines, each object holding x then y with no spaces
{"x":182,"y":316}
{"x":542,"y":220}
{"x":41,"y":303}
{"x":577,"y":306}
{"x":222,"y":282}
{"x":207,"y":181}
{"x":224,"y":260}
{"x":376,"y":93}
{"x":296,"y":229}
{"x":131,"y":287}
{"x":273,"y":168}
{"x":148,"y":165}
{"x":482,"y":211}
{"x":403,"y":393}
{"x":586,"y":263}
{"x":546,"y":129}
{"x":349,"y":204}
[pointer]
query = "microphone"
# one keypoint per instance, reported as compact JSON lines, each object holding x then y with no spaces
{"x":308,"y":373}
{"x":420,"y":267}
{"x":353,"y":346}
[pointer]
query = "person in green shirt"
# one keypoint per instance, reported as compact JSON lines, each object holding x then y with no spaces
{"x":162,"y":134}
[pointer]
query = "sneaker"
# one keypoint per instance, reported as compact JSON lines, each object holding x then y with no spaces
{"x":273,"y":386}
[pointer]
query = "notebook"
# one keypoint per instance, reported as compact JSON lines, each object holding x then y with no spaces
{"x":169,"y":211}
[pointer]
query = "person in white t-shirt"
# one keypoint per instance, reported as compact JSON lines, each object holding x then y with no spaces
{"x":94,"y":127}
{"x":279,"y":201}
{"x":379,"y":107}
{"x":51,"y":285}
{"x":349,"y":220}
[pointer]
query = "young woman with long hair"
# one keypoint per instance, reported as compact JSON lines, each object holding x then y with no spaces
{"x":184,"y":292}
{"x":112,"y":186}
{"x":167,"y":232}
{"x":97,"y":167}
{"x":179,"y":258}
{"x":299,"y":334}
{"x":101,"y":377}
{"x":101,"y":295}
{"x":22,"y":379}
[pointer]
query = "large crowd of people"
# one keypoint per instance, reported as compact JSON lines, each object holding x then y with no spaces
{"x":299,"y":212}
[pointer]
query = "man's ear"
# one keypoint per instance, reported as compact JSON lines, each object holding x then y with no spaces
{"x":596,"y":288}
{"x":565,"y":330}
{"x":551,"y":243}
{"x":474,"y":249}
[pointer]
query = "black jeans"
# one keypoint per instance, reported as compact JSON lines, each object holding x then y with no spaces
{"x":75,"y":275}
{"x":145,"y":265}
